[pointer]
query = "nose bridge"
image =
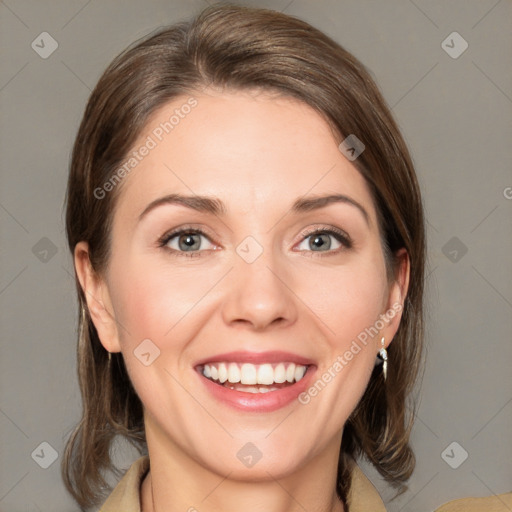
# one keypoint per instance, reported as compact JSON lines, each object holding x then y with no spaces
{"x":257,"y":293}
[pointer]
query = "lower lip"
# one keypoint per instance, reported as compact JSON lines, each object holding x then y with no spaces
{"x":258,"y":402}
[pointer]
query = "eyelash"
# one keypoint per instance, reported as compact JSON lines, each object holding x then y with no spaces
{"x":338,"y":234}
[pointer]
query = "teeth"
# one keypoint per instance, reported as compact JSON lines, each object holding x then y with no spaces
{"x":234,"y":374}
{"x":251,"y":374}
{"x":299,"y":372}
{"x":251,"y":389}
{"x":265,"y":374}
{"x":248,"y":372}
{"x":223,"y":373}
{"x":290,"y":373}
{"x":280,"y":373}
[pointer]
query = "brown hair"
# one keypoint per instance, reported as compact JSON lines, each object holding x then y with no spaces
{"x":228,"y":46}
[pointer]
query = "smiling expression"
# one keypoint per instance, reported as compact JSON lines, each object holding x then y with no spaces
{"x":246,"y":248}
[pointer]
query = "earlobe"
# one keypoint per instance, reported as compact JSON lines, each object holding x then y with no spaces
{"x":97,"y":297}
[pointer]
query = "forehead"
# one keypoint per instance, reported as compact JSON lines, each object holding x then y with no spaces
{"x":254,"y":151}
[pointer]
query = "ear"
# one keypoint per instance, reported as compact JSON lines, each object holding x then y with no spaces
{"x":396,"y":298}
{"x":98,"y":299}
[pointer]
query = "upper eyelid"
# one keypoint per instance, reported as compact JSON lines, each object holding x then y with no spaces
{"x":185,"y":229}
{"x":330,"y":230}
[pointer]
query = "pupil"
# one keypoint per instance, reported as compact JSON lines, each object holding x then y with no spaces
{"x":189,"y":242}
{"x":319,"y":242}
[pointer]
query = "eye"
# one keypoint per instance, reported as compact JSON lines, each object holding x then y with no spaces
{"x":186,"y":240}
{"x":329,"y":240}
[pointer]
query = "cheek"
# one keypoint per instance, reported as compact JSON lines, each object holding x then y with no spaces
{"x":152,"y":298}
{"x":349,"y":304}
{"x":347,"y":299}
{"x":153,"y":301}
{"x":139,"y":303}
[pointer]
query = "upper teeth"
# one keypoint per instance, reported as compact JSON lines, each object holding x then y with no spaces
{"x":248,"y":373}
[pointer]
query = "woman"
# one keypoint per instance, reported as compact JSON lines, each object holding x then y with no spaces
{"x":248,"y":239}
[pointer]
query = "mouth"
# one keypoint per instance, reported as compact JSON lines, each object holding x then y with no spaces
{"x":250,"y":381}
{"x":254,"y":378}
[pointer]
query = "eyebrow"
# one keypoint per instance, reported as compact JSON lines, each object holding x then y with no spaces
{"x":202,"y":204}
{"x":215,"y":206}
{"x":314,"y":203}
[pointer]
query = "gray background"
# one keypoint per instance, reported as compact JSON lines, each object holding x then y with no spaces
{"x":456,"y":116}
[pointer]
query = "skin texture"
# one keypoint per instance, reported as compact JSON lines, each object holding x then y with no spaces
{"x":258,"y":154}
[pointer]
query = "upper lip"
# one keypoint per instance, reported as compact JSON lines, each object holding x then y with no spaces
{"x":275,"y":356}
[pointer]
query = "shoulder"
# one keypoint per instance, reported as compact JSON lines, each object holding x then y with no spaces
{"x":363,"y":495}
{"x":496,"y":503}
{"x":126,"y":495}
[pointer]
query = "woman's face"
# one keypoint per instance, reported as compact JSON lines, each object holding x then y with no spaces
{"x":245,"y":291}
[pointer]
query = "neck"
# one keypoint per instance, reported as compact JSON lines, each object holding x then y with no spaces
{"x":252,"y":498}
{"x":177,"y":483}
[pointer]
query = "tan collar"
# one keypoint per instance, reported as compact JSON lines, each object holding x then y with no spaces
{"x":363,"y":496}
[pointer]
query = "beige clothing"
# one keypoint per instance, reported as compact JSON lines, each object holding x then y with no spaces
{"x":363,"y":497}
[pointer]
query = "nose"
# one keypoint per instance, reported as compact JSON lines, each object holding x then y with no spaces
{"x":259,"y":295}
